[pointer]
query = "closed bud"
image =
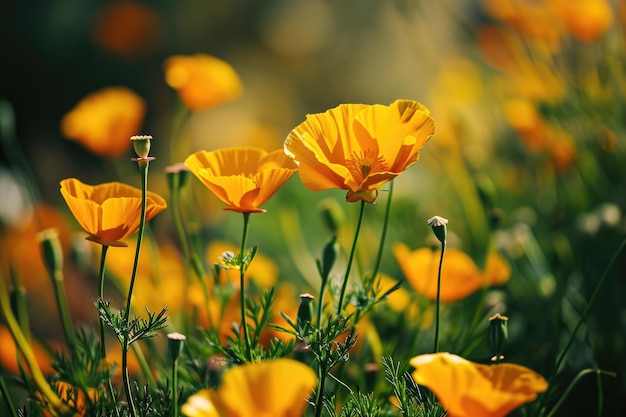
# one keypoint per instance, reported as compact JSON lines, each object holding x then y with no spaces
{"x":141,"y":144}
{"x":304,"y":310}
{"x":438,"y":224}
{"x":498,"y":335}
{"x":332,"y":214}
{"x":177,"y":176}
{"x":175,"y":343}
{"x":51,"y":250}
{"x":329,"y":257}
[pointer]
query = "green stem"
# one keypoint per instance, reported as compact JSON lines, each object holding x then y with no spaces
{"x":143,"y":364}
{"x":103,"y":255}
{"x":242,"y":292}
{"x":175,"y":388}
{"x":4,"y":390}
{"x":438,"y":302}
{"x":383,"y":234}
{"x":64,"y":311}
{"x":344,"y":284}
{"x":320,"y":303}
{"x":319,"y":395}
{"x":572,"y":384}
{"x":581,"y":320}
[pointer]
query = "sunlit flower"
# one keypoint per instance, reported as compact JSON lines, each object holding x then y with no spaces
{"x":242,"y":177}
{"x":103,"y":121}
{"x":277,"y":388}
{"x":202,"y":80}
{"x":587,"y":20}
{"x":467,"y":389}
{"x":109,"y":212}
{"x":459,"y":276}
{"x":358,"y":147}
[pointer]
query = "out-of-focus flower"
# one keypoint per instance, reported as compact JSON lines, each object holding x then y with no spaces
{"x":459,"y":276}
{"x":277,"y":388}
{"x":109,"y":212}
{"x":468,"y":389}
{"x":202,"y":80}
{"x":358,"y":147}
{"x":127,"y":29}
{"x":587,"y":20}
{"x":9,"y":354}
{"x":262,"y":270}
{"x":73,"y":397}
{"x":242,"y":177}
{"x":103,"y":121}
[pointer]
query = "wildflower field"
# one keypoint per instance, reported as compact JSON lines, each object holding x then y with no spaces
{"x":288,"y":208}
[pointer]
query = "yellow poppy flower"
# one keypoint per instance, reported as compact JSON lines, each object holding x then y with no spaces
{"x":276,"y":388}
{"x":202,"y":80}
{"x":358,"y":147}
{"x":109,"y":212}
{"x":103,"y":121}
{"x":467,"y":389}
{"x":242,"y":177}
{"x":459,"y":275}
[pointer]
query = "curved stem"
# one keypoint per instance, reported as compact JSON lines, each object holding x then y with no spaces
{"x":242,"y":290}
{"x":344,"y":284}
{"x":383,"y":234}
{"x":437,"y":307}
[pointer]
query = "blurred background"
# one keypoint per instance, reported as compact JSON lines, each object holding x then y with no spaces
{"x":528,"y":155}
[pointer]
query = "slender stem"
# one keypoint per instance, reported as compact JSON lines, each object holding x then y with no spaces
{"x":4,"y":390}
{"x":143,"y":364}
{"x":383,"y":234}
{"x":572,"y":384}
{"x":64,"y":311}
{"x":319,"y":395}
{"x":320,"y":303}
{"x":350,"y":258}
{"x":581,"y":320}
{"x":125,"y":378}
{"x":242,"y":290}
{"x":175,"y":388}
{"x":437,"y":307}
{"x":103,"y":255}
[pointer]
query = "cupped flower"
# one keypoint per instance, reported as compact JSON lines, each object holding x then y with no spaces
{"x":109,"y":212}
{"x":242,"y":177}
{"x":202,"y":80}
{"x":103,"y":121}
{"x":460,"y":276}
{"x":359,"y":147}
{"x":277,"y":388}
{"x":468,"y":389}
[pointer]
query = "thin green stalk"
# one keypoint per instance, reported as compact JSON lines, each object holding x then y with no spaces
{"x":64,"y":311}
{"x":242,"y":291}
{"x":383,"y":234}
{"x":581,"y":320}
{"x":103,"y":255}
{"x":350,"y":258}
{"x":8,"y":399}
{"x":175,"y":388}
{"x":143,"y":364}
{"x":143,"y":168}
{"x":319,"y":395}
{"x":571,"y":386}
{"x":437,"y":306}
{"x":320,"y":303}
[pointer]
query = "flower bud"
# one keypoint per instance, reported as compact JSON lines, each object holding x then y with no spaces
{"x":304,"y":310}
{"x":332,"y":214}
{"x":438,"y":225}
{"x":498,"y":335}
{"x":177,"y":176}
{"x":329,"y":256}
{"x":141,"y":144}
{"x":51,"y":250}
{"x":175,"y":342}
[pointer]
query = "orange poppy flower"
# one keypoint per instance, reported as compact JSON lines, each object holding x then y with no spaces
{"x":277,"y":388}
{"x":103,"y":121}
{"x":467,"y":389}
{"x":202,"y":80}
{"x":459,"y":275}
{"x":242,"y":177}
{"x":109,"y":212}
{"x":359,"y":147}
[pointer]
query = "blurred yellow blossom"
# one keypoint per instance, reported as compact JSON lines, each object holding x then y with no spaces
{"x":359,"y":147}
{"x":242,"y":177}
{"x":276,"y":388}
{"x":468,"y":389}
{"x":108,"y":212}
{"x":587,"y":20}
{"x":459,"y":276}
{"x":202,"y":80}
{"x":103,"y":121}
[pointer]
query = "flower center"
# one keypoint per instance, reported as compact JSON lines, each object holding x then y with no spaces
{"x":362,"y":163}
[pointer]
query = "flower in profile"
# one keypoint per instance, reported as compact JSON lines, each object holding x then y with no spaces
{"x":468,"y":389}
{"x":202,"y":80}
{"x":359,"y":147}
{"x":242,"y":177}
{"x":460,"y":276}
{"x":103,"y":121}
{"x":277,"y":388}
{"x":109,"y":212}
